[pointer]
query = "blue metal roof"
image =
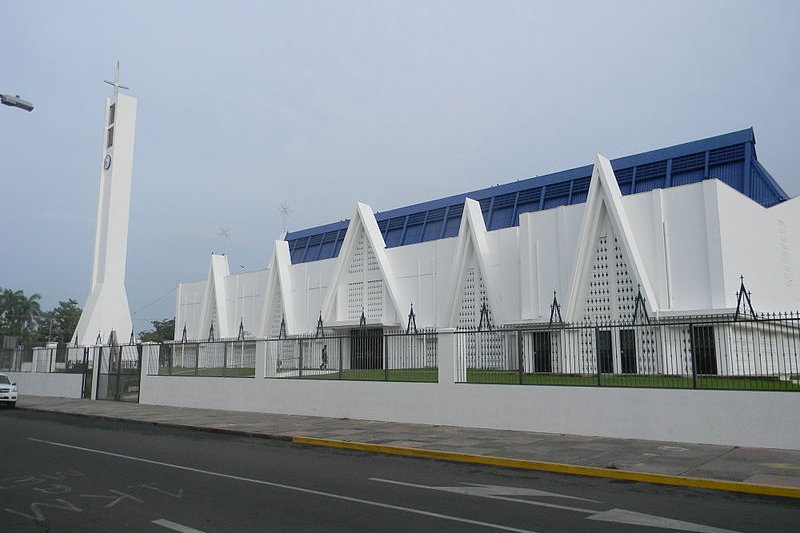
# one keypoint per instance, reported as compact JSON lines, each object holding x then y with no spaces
{"x":730,"y":157}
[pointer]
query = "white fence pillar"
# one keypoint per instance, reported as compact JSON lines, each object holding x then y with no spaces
{"x":150,"y":350}
{"x":452,"y":367}
{"x":262,"y":359}
{"x":150,"y":355}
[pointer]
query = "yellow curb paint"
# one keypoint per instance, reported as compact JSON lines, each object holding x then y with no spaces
{"x":661,"y":479}
{"x":782,"y":466}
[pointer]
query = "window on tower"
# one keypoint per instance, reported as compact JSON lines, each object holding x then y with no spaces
{"x":110,"y":137}
{"x":111,"y":112}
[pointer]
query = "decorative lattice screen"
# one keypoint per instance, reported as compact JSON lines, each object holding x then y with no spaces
{"x":365,"y":284}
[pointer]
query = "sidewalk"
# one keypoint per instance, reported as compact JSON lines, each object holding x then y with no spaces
{"x":751,"y":470}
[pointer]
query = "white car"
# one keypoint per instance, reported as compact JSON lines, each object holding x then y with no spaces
{"x":8,"y":391}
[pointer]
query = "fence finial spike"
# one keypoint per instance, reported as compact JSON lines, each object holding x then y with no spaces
{"x":639,"y":305}
{"x":320,"y":326}
{"x":555,"y":310}
{"x":485,"y":316}
{"x":282,"y":331}
{"x":743,"y":302}
{"x":412,"y":321}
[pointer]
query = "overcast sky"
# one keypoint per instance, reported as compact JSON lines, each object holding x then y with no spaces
{"x":243,"y":106}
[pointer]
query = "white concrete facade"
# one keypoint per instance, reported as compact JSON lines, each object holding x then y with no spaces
{"x":677,"y":251}
{"x":107,"y":309}
{"x":683,"y":247}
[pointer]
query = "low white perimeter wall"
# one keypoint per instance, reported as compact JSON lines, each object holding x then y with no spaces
{"x":47,"y":384}
{"x":759,"y":419}
{"x":739,"y":418}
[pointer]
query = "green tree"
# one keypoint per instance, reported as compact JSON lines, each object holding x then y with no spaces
{"x":59,"y":324}
{"x":163,"y":330}
{"x":19,"y":314}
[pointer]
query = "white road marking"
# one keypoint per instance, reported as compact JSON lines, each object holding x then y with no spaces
{"x":620,"y":516}
{"x":154,"y":487}
{"x":497,"y":490}
{"x":36,"y":508}
{"x":163,"y":522}
{"x":289,"y":487}
{"x":470,"y":491}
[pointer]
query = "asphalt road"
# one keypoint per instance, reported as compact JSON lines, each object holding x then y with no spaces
{"x":63,"y":473}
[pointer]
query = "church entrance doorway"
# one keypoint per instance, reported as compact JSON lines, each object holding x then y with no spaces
{"x":627,"y":344}
{"x":605,"y":353}
{"x":542,"y":360}
{"x":366,"y":348}
{"x":704,"y":350}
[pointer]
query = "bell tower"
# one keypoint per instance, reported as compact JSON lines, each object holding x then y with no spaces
{"x":107,"y":308}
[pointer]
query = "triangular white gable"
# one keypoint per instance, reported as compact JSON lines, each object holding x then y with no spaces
{"x":363,"y":276}
{"x":215,"y":305}
{"x":604,"y":208}
{"x":278,"y":302}
{"x":470,"y":270}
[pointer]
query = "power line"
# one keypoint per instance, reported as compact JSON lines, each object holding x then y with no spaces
{"x":156,"y":300}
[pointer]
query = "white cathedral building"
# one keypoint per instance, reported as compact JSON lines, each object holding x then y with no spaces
{"x":674,"y":229}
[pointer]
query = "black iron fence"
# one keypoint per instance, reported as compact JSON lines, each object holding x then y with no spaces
{"x":208,"y":359}
{"x":711,"y":352}
{"x":17,"y":359}
{"x":62,"y":358}
{"x":363,"y":354}
{"x":57,"y":358}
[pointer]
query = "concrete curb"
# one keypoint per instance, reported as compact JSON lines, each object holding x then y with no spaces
{"x":523,"y":464}
{"x":177,"y":425}
{"x":661,"y":479}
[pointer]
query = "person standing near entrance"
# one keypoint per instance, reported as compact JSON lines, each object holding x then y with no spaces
{"x":324,"y":364}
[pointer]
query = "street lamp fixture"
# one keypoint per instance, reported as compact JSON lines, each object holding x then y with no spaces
{"x":16,"y":101}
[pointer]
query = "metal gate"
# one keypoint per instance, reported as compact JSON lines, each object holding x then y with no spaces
{"x":87,"y":364}
{"x":366,"y":348}
{"x":120,"y":373}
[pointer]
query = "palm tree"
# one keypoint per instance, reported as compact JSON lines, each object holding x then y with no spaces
{"x":18,"y":312}
{"x":9,"y":305}
{"x":31,"y":310}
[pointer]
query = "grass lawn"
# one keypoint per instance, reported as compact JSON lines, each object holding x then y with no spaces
{"x":216,"y":372}
{"x":508,"y":377}
{"x":647,"y":381}
{"x":418,"y":375}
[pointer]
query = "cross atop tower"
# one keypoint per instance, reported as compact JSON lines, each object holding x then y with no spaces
{"x":117,"y":85}
{"x":284,"y":210}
